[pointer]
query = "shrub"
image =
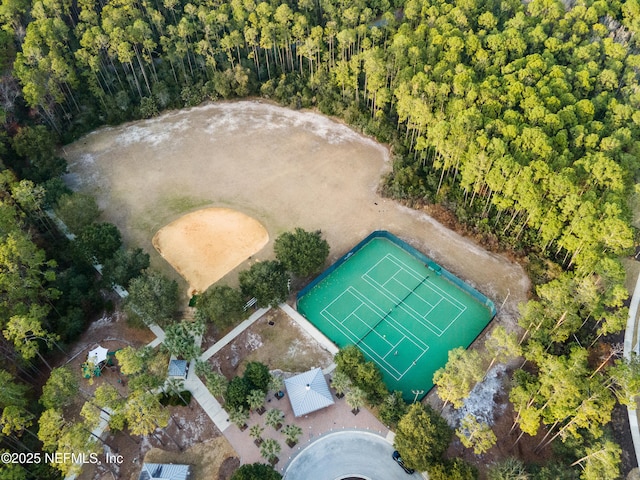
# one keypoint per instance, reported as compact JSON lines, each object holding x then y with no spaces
{"x":257,"y":376}
{"x":222,"y":305}
{"x":302,"y":253}
{"x":267,"y":281}
{"x":237,"y":392}
{"x":457,"y":469}
{"x":256,"y":471}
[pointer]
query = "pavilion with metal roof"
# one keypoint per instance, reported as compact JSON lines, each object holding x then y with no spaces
{"x":308,"y":392}
{"x":164,"y":471}
{"x":178,"y":368}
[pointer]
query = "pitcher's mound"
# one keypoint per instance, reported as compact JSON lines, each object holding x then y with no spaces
{"x":205,"y":245}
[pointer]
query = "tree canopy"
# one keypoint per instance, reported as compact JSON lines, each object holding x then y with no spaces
{"x":266,"y":281}
{"x":422,"y":437}
{"x":520,"y":118}
{"x":256,"y":471}
{"x":153,"y":298}
{"x":302,"y":253}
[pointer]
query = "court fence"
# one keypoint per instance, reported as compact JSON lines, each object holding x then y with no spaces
{"x":411,"y":250}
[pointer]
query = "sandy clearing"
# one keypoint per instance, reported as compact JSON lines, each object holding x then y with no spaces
{"x":203,"y":246}
{"x":285,"y":168}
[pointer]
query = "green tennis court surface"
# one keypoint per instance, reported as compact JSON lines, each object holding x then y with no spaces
{"x":402,"y":310}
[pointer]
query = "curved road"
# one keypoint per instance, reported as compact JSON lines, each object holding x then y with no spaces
{"x":344,"y":454}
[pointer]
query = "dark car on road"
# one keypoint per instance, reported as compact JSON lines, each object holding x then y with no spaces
{"x":396,"y":456}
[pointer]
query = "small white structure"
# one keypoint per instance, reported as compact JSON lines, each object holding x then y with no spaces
{"x":308,"y":392}
{"x":97,"y":355}
{"x":164,"y":471}
{"x":178,"y":369}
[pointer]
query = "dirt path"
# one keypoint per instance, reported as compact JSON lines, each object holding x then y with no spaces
{"x":285,"y":168}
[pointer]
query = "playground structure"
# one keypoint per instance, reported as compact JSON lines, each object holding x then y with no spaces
{"x":97,"y":359}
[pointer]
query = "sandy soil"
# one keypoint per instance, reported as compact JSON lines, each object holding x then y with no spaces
{"x":285,"y":168}
{"x":206,"y":458}
{"x":281,"y":346}
{"x":205,"y":245}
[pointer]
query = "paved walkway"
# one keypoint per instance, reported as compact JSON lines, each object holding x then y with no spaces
{"x":630,"y":341}
{"x":199,"y":390}
{"x":337,"y":417}
{"x":216,"y":347}
{"x":309,"y":328}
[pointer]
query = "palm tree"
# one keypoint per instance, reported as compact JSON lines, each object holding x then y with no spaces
{"x":276,"y":384}
{"x":256,"y":433}
{"x":274,"y":418}
{"x":217,"y":384}
{"x":291,"y":434}
{"x":340,"y":383}
{"x":509,"y":469}
{"x":355,"y":399}
{"x":270,"y":449}
{"x":256,"y":401}
{"x":239,"y":416}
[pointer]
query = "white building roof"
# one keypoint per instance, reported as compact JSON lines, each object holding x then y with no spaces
{"x":164,"y":471}
{"x":308,"y":392}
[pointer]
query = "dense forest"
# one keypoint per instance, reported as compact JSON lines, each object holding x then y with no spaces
{"x":520,"y":118}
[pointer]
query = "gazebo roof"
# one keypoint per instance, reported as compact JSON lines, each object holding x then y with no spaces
{"x":164,"y":471}
{"x":308,"y":392}
{"x":178,"y":368}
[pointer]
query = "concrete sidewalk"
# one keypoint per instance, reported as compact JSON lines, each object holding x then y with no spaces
{"x":316,"y":334}
{"x":216,"y":347}
{"x":208,"y":402}
{"x":630,"y":340}
{"x":199,"y":390}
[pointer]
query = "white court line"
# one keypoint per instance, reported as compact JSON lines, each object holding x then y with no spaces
{"x":417,"y":275}
{"x":394,"y":347}
{"x":435,"y":329}
{"x":396,"y":324}
{"x":347,"y":332}
{"x":425,"y":322}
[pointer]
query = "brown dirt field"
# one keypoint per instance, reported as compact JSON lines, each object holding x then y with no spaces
{"x":205,"y":245}
{"x":284,"y":168}
{"x":281,"y":346}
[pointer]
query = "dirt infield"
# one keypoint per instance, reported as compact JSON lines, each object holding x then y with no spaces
{"x":203,"y":246}
{"x":284,"y":168}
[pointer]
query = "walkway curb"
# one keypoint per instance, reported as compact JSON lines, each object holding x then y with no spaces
{"x":317,"y":335}
{"x":216,"y":347}
{"x":632,"y":325}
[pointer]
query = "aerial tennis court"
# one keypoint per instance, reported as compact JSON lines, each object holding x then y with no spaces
{"x":400,"y":308}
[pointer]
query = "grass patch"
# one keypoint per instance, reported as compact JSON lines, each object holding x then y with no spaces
{"x":183,"y":204}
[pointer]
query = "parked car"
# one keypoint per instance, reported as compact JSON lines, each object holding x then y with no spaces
{"x":396,"y":456}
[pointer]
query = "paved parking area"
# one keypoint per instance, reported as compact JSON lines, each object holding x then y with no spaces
{"x":344,"y":454}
